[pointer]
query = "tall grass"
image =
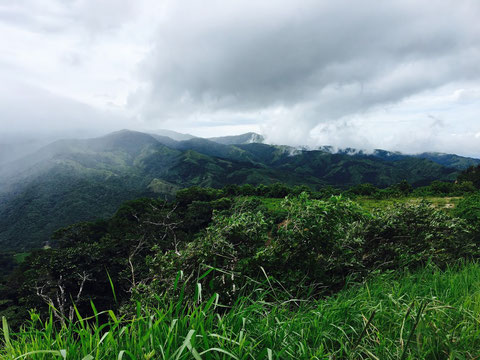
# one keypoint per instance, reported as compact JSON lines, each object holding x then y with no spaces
{"x":442,"y":203}
{"x":430,"y":314}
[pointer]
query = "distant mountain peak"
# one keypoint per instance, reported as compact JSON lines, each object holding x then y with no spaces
{"x":125,"y":140}
{"x":247,"y":138}
{"x":174,"y":135}
{"x":123,"y":134}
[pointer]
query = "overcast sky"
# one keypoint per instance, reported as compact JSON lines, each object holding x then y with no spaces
{"x":398,"y":74}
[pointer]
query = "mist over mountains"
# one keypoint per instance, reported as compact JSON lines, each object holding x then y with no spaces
{"x":75,"y":180}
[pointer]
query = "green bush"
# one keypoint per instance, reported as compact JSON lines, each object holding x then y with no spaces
{"x":224,"y":249}
{"x":440,"y":188}
{"x":317,"y":243}
{"x":300,"y":244}
{"x":469,"y":209}
{"x":410,"y":235}
{"x":317,"y":246}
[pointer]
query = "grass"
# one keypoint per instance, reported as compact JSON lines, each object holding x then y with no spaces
{"x":369,"y":203}
{"x":20,"y":257}
{"x":443,"y":203}
{"x":430,"y":314}
{"x":271,"y":204}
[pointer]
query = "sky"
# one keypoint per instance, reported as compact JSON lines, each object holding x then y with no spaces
{"x":398,"y":75}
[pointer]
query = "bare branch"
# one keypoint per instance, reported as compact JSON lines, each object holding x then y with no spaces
{"x":58,"y":300}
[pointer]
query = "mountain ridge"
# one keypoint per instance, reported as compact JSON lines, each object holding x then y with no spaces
{"x":80,"y":180}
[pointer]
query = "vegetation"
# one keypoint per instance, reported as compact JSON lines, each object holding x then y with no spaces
{"x":313,"y":242}
{"x":427,"y":314}
{"x":472,"y":174}
{"x":72,"y":181}
{"x":244,"y":271}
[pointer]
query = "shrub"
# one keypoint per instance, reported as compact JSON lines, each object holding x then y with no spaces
{"x":469,"y":209}
{"x":317,"y":244}
{"x":411,"y":235}
{"x":225,"y":247}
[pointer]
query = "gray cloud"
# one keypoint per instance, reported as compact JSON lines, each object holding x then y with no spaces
{"x":347,"y":73}
{"x":331,"y":59}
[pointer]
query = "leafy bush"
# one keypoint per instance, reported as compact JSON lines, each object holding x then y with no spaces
{"x":363,"y":190}
{"x":472,"y":174}
{"x":469,"y":209}
{"x":440,"y":188}
{"x":317,"y":243}
{"x":410,"y":235}
{"x":302,"y":243}
{"x":226,"y":247}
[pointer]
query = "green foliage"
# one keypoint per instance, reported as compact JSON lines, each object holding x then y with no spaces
{"x":411,"y":235}
{"x":440,"y":188}
{"x":28,"y":219}
{"x":469,"y":209}
{"x":155,"y":262}
{"x":227,"y":245}
{"x":363,"y":190}
{"x":7,"y":261}
{"x":72,"y":181}
{"x":311,"y":246}
{"x":117,"y":247}
{"x":403,"y":187}
{"x":472,"y":174}
{"x":429,"y":314}
{"x":316,"y":243}
{"x":196,"y":193}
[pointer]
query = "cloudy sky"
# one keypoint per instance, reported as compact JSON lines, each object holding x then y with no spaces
{"x":398,"y":74}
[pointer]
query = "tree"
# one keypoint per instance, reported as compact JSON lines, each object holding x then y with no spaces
{"x":471,"y":174}
{"x":55,"y":295}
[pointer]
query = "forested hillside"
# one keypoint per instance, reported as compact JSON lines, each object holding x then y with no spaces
{"x":78,"y":180}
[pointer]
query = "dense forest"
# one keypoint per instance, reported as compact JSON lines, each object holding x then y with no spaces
{"x":71,"y":181}
{"x":223,"y":263}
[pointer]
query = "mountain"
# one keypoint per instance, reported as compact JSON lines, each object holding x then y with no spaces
{"x":79,"y":180}
{"x":247,"y":138}
{"x":449,"y":160}
{"x":69,"y":181}
{"x":173,"y":135}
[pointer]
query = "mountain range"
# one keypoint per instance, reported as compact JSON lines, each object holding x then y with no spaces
{"x":79,"y":180}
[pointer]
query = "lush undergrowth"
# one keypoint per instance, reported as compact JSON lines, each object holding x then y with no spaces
{"x":370,"y":278}
{"x":443,"y":203}
{"x":447,"y":203}
{"x":428,"y":314}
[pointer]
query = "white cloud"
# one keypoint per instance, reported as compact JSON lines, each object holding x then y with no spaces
{"x":399,"y":75}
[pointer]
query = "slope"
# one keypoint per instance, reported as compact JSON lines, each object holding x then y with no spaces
{"x":74,"y":180}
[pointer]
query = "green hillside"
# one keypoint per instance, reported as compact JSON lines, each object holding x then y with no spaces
{"x":76,"y":180}
{"x":450,"y":160}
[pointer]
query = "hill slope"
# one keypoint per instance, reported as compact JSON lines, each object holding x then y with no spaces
{"x":74,"y":180}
